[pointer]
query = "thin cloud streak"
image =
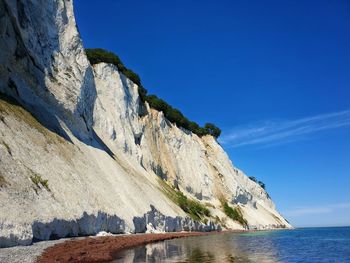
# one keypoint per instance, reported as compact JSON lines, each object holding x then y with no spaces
{"x":326,"y":209}
{"x":276,"y":132}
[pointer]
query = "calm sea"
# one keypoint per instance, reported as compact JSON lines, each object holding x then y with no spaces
{"x":301,"y":245}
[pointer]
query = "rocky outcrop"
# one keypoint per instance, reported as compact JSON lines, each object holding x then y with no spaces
{"x":76,"y":155}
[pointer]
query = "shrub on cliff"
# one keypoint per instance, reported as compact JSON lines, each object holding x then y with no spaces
{"x":212,"y":130}
{"x":158,"y":104}
{"x":193,"y":208}
{"x":38,"y":180}
{"x":253,"y":179}
{"x":261,"y":184}
{"x":196,"y":210}
{"x":175,"y":116}
{"x":258,"y":182}
{"x":98,"y":55}
{"x":234,"y":213}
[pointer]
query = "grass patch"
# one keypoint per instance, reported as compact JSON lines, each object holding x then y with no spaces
{"x":234,"y":214}
{"x":38,"y":180}
{"x":193,"y":208}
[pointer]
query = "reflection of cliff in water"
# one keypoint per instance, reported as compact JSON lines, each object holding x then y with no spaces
{"x":214,"y":248}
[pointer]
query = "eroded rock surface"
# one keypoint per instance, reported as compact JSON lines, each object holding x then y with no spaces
{"x":76,"y":155}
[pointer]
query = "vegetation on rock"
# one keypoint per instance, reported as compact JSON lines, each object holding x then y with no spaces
{"x":257,"y":181}
{"x":193,"y":208}
{"x":97,"y":55}
{"x":37,"y":180}
{"x":234,"y":213}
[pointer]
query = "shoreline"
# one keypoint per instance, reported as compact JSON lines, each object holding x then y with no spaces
{"x":93,"y":248}
{"x":90,"y":248}
{"x":105,"y":248}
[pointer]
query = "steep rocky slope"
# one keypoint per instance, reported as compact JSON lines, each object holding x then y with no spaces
{"x":80,"y":154}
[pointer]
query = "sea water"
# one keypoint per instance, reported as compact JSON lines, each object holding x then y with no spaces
{"x":300,"y":245}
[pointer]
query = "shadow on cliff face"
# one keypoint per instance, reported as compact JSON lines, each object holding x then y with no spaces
{"x":90,"y":224}
{"x":14,"y":240}
{"x":51,"y":124}
{"x":30,"y":59}
{"x":87,"y":225}
{"x":155,"y":220}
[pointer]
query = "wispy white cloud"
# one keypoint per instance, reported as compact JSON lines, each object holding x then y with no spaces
{"x":315,"y":210}
{"x":276,"y":132}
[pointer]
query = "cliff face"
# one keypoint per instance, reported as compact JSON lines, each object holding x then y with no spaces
{"x":108,"y":167}
{"x":43,"y":62}
{"x":199,"y":167}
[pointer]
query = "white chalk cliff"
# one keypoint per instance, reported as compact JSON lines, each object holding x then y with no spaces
{"x":107,"y":166}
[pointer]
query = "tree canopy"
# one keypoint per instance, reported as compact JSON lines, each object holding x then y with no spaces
{"x":98,"y":55}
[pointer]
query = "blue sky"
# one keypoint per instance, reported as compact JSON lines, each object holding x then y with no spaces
{"x":274,"y":75}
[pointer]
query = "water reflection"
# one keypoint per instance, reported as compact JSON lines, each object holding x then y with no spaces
{"x":214,"y":248}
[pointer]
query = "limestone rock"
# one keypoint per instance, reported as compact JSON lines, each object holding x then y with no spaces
{"x":76,"y":156}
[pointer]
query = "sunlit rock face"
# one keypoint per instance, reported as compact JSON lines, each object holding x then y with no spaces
{"x":79,"y":153}
{"x":197,"y":166}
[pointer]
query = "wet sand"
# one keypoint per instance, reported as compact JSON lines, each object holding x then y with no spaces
{"x":103,"y":249}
